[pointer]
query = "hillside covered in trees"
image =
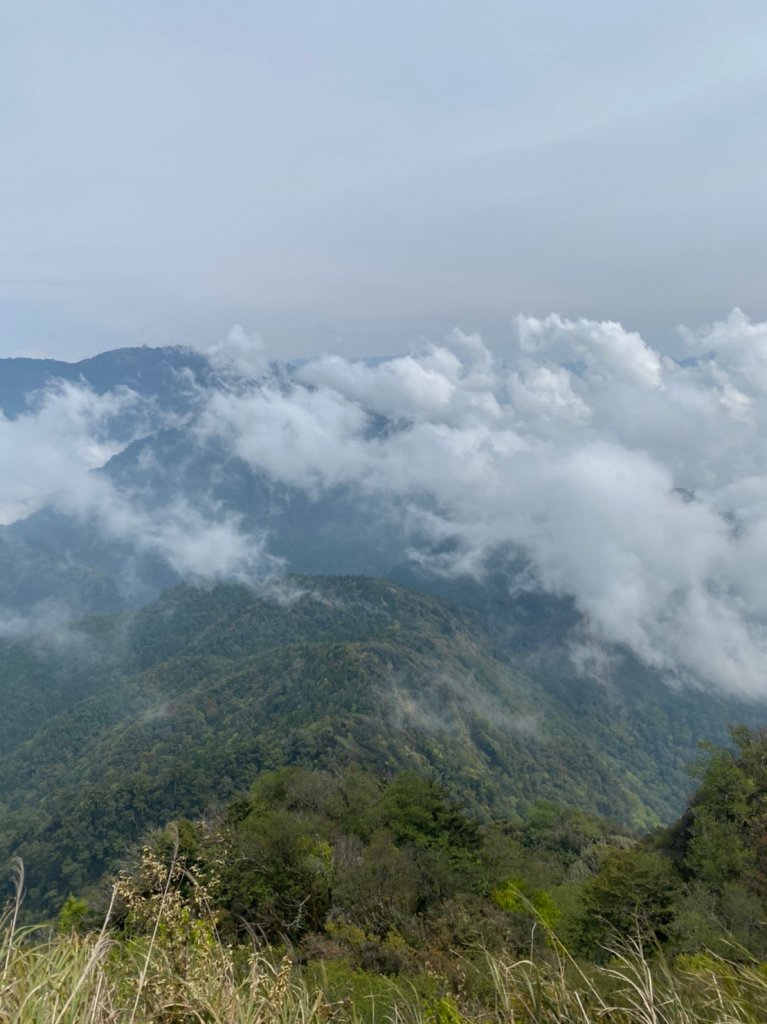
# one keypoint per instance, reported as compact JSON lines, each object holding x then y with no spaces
{"x":323,"y":894}
{"x":122,"y":723}
{"x":387,"y":873}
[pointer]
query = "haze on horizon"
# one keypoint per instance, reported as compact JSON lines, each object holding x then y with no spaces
{"x":354,"y":177}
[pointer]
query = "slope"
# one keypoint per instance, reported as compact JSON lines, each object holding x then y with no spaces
{"x":175,"y":708}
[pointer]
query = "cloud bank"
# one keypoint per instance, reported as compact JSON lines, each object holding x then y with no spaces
{"x":633,"y":483}
{"x":630,"y":481}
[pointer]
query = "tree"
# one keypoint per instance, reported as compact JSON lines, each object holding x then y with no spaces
{"x":634,"y":895}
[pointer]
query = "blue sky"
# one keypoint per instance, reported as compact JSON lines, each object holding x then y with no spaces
{"x":356,"y":176}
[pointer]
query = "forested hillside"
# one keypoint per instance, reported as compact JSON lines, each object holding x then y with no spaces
{"x":121,"y":723}
{"x":340,"y":863}
{"x":343,"y":895}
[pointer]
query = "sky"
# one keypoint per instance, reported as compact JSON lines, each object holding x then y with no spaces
{"x":357,"y":177}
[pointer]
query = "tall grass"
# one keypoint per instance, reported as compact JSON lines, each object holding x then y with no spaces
{"x":73,"y":980}
{"x":183,"y":975}
{"x":169,"y":977}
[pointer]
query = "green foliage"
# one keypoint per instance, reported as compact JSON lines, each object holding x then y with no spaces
{"x":416,"y":810}
{"x":412,"y":878}
{"x":719,"y":847}
{"x":445,"y":1011}
{"x":566,"y":831}
{"x":174,"y":709}
{"x":517,"y":896}
{"x":635,"y":893}
{"x":293,"y":857}
{"x":128,"y":722}
{"x":365,"y":879}
{"x":72,"y":914}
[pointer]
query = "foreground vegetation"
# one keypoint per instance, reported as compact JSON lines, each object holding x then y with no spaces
{"x":321,"y":897}
{"x":179,"y":972}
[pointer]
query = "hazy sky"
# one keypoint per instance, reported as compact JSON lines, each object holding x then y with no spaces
{"x":354,"y":175}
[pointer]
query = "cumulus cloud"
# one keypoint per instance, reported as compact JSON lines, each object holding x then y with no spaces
{"x":443,"y":382}
{"x":609,"y":353}
{"x":738,"y":346}
{"x":631,"y":482}
{"x":308,"y":438}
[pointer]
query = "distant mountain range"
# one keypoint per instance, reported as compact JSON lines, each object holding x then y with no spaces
{"x":152,"y":373}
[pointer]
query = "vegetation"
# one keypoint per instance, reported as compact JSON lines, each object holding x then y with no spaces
{"x":99,"y":978}
{"x":125,"y":722}
{"x":394,"y":876}
{"x":321,"y":896}
{"x":389,"y":875}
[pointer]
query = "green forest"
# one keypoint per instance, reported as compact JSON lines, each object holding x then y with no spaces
{"x":125,"y":722}
{"x":319,"y":895}
{"x":346,"y":800}
{"x":394,"y":875}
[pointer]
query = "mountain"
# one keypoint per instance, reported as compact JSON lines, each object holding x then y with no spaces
{"x":163,"y":375}
{"x":360,"y":637}
{"x":54,"y":559}
{"x":74,"y":559}
{"x":123,"y":722}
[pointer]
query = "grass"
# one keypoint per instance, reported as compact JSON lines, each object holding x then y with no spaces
{"x":177,"y":972}
{"x":95,"y":979}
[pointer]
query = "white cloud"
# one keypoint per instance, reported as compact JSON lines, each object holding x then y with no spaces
{"x":608,"y":352}
{"x":737,"y":346}
{"x":65,"y":434}
{"x":308,"y":437}
{"x":547,"y":393}
{"x":239,"y":354}
{"x":632,"y":483}
{"x":197,"y":543}
{"x":48,"y":455}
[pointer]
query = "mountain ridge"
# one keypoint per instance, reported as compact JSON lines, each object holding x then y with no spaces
{"x":211,"y":687}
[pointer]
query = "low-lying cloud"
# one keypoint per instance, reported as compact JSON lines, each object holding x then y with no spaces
{"x":199,"y":544}
{"x":47,"y":458}
{"x":65,"y":434}
{"x":632,"y":482}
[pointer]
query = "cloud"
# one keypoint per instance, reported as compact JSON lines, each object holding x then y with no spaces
{"x":238,"y":354}
{"x":310,"y":438}
{"x":47,"y":457}
{"x":738,"y":345}
{"x":64,"y":435}
{"x":200,"y":544}
{"x":629,"y":481}
{"x":608,"y":353}
{"x":634,"y":484}
{"x":443,"y":382}
{"x":546,"y":393}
